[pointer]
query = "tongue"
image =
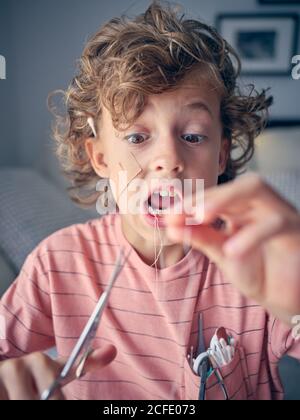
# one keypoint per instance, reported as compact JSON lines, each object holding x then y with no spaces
{"x":158,"y":202}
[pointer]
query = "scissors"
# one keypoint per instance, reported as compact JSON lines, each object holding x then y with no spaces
{"x":204,"y":364}
{"x":83,"y":345}
{"x":204,"y":367}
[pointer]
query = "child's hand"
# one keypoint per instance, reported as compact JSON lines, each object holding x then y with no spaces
{"x":259,"y":250}
{"x":26,"y":378}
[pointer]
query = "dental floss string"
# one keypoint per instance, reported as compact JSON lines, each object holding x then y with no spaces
{"x":156,"y":256}
{"x":161,"y":242}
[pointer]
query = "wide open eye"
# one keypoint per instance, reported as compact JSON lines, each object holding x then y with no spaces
{"x":193,"y":138}
{"x":136,"y":138}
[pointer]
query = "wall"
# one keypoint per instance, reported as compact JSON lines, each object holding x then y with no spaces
{"x":42,"y":40}
{"x":285,"y":89}
{"x":8,"y":139}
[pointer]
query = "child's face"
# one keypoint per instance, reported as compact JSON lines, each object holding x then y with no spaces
{"x":159,"y":144}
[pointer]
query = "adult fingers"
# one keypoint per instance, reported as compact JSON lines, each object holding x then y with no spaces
{"x":205,"y":238}
{"x":255,"y":234}
{"x":243,"y":190}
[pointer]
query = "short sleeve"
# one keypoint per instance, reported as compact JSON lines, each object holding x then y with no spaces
{"x":25,"y":312}
{"x":283,"y":340}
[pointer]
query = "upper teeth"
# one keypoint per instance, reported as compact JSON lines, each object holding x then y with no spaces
{"x":165,"y":193}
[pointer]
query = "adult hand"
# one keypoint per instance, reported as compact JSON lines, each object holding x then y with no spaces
{"x":259,"y":249}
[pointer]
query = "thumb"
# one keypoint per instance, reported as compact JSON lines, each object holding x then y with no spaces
{"x":97,"y":359}
{"x":208,"y":239}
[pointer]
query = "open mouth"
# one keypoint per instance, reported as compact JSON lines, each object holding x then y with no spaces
{"x":162,"y":201}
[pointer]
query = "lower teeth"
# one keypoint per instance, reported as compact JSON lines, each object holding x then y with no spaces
{"x":157,"y":211}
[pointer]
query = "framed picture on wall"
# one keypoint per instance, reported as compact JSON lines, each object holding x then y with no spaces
{"x":265,"y":43}
{"x":279,"y":2}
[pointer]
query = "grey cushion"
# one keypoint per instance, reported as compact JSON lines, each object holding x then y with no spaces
{"x":289,"y":369}
{"x":31,"y":208}
{"x":7,"y":274}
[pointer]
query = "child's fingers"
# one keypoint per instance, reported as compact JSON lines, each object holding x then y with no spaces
{"x":28,"y":377}
{"x":97,"y":359}
{"x":17,"y":381}
{"x":3,"y":393}
{"x":44,"y":371}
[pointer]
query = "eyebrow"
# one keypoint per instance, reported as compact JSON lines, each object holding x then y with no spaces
{"x":198,"y":105}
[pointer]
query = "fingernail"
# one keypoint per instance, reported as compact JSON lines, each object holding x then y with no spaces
{"x":80,"y":372}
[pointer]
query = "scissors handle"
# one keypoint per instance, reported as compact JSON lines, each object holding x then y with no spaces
{"x":204,"y":367}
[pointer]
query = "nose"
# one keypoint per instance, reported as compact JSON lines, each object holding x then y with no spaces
{"x":167,"y":159}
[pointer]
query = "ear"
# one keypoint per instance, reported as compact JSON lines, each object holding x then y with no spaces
{"x":224,"y":155}
{"x":95,"y":151}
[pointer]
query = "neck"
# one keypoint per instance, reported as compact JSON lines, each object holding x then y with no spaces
{"x":168,"y":254}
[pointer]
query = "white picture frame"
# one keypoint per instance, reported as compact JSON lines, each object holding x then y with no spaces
{"x":265,"y":43}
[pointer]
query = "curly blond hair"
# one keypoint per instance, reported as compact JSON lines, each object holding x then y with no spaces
{"x":129,"y":59}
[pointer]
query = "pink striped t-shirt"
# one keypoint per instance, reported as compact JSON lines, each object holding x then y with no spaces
{"x":151,"y":317}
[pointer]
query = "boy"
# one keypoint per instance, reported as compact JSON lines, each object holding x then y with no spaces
{"x":157,"y":98}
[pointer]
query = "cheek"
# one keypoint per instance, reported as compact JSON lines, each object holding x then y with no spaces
{"x":124,"y":169}
{"x":113,"y":153}
{"x":205,"y":165}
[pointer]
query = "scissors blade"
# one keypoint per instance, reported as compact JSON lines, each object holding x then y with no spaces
{"x":89,"y":331}
{"x":201,"y":345}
